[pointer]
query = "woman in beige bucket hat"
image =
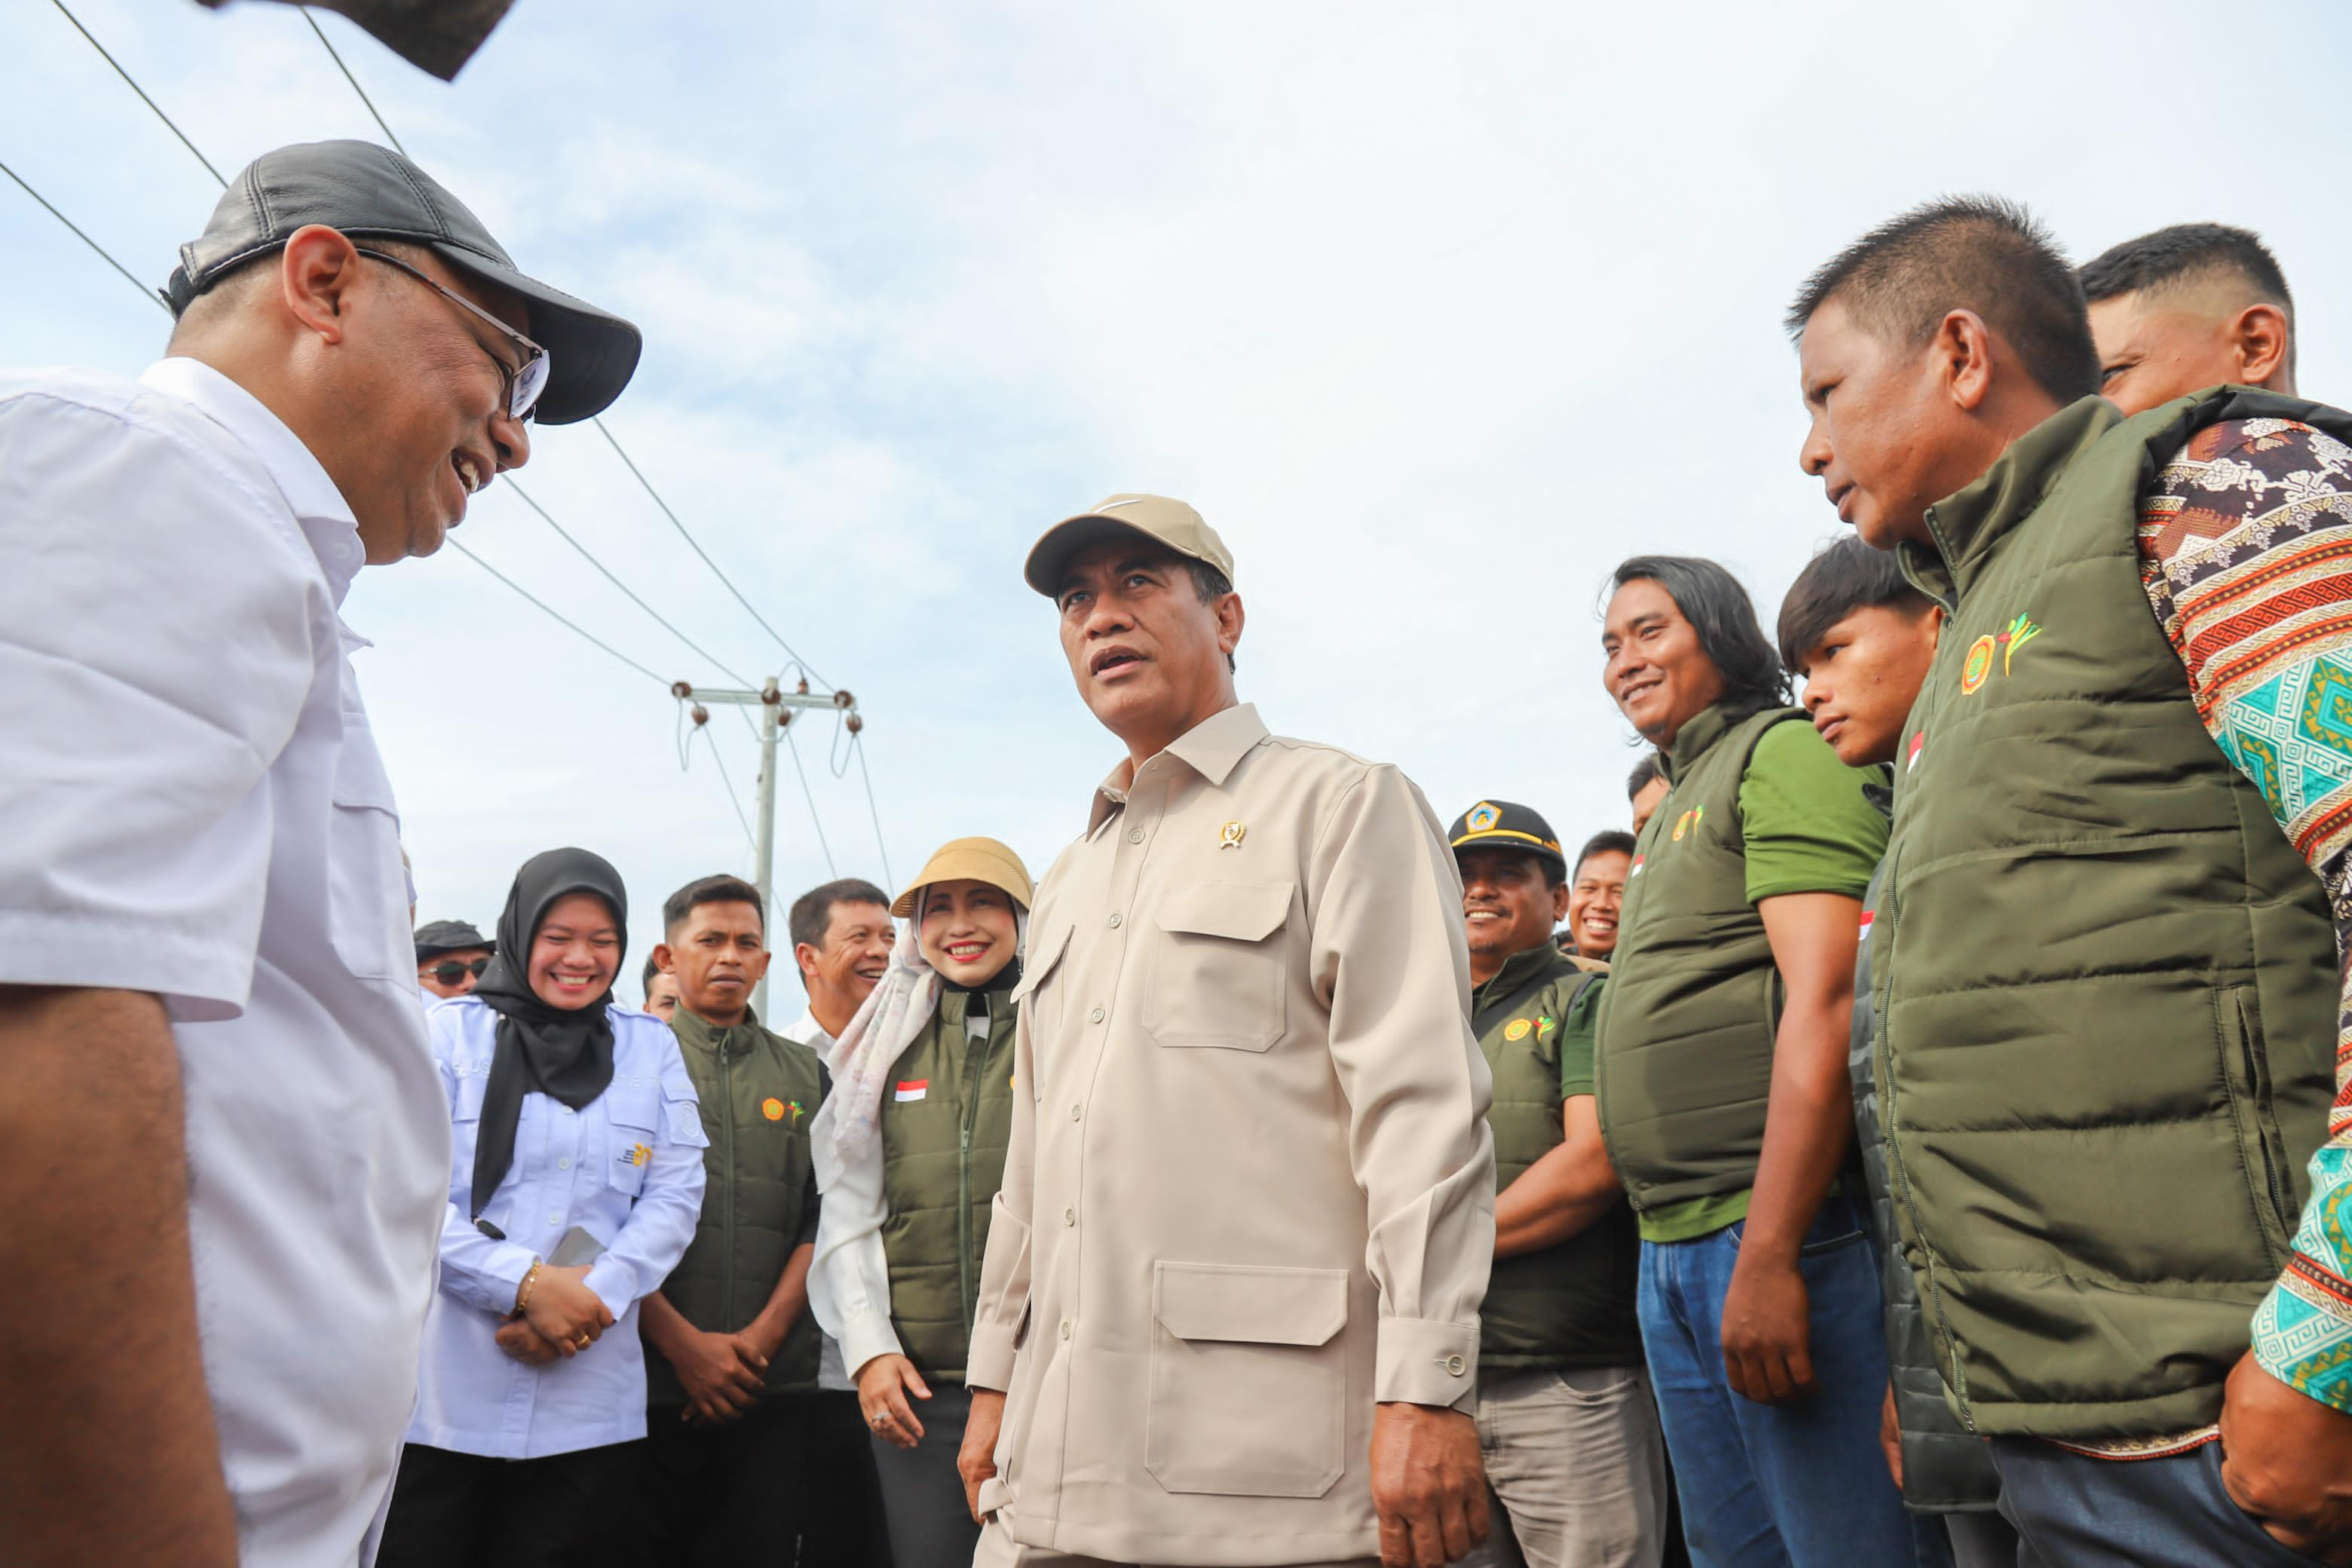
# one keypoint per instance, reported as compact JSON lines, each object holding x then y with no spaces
{"x":910,"y":1152}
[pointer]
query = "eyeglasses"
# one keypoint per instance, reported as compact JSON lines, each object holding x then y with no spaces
{"x":524,"y":381}
{"x":452,"y":972}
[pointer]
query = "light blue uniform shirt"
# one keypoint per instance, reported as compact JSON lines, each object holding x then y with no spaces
{"x":627,"y":1169}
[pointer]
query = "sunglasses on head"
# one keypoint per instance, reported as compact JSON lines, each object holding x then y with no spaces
{"x":451,"y":971}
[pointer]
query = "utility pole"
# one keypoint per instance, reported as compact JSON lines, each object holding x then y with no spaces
{"x":777,"y":707}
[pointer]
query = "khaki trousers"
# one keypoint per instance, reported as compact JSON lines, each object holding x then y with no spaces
{"x":1578,"y":1470}
{"x":998,"y":1549}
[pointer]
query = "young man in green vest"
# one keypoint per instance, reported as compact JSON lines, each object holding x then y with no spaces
{"x":729,"y":1430}
{"x":1722,"y":1088}
{"x":2109,"y":1016}
{"x":1860,"y":638}
{"x":1565,"y":1417}
{"x":2194,"y":305}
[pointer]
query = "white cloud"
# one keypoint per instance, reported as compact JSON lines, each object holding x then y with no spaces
{"x":1437,"y":313}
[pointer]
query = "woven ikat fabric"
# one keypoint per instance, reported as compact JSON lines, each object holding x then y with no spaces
{"x":2246,"y":553}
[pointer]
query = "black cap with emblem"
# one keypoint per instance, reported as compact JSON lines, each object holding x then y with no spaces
{"x":1504,"y":825}
{"x":370,"y":192}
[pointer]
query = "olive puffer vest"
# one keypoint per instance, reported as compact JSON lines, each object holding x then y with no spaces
{"x":1571,"y":1304}
{"x":946,"y":1120}
{"x":2106,"y":980}
{"x":1684,"y":1059}
{"x":758,"y":1091}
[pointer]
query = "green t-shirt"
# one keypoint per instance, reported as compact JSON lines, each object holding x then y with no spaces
{"x":1576,"y":1035}
{"x":1805,"y":828}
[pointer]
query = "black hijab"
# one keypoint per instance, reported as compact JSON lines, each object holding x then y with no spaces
{"x":564,"y":1053}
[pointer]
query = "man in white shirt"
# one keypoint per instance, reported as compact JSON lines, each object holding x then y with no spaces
{"x":215,"y":1093}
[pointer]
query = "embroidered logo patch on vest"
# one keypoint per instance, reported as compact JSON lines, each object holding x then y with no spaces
{"x":1518,"y":1029}
{"x":1918,"y":744}
{"x":772,"y":1109}
{"x":914,"y":1088}
{"x":1978,"y":666}
{"x":1688,"y":820}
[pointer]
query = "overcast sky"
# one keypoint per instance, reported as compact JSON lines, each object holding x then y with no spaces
{"x":1435,"y":312}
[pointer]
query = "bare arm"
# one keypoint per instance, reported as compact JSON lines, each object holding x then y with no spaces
{"x":785,"y":1303}
{"x":1562,"y":1192}
{"x":100,"y":1368}
{"x":1807,"y":1123}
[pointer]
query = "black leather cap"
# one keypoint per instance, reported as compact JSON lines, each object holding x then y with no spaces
{"x":434,"y":937}
{"x":372,"y":192}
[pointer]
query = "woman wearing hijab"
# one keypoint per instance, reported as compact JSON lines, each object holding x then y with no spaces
{"x":910,"y":1152}
{"x":575,"y":1182}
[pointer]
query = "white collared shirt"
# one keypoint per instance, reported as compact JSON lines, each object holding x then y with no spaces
{"x":832,"y":1365}
{"x":627,"y":1169}
{"x":195,"y":808}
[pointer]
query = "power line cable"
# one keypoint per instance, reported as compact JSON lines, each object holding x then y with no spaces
{"x":810,"y":795}
{"x":543,"y":604}
{"x":857,"y":743}
{"x":526,"y":501}
{"x":734,"y":799}
{"x":108,"y":257}
{"x":142,"y":91}
{"x":609,"y":576}
{"x":724,"y":580}
{"x":348,"y":76}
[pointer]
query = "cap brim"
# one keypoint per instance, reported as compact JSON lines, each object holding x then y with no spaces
{"x":590,"y":354}
{"x":1042,"y":570}
{"x":1512,"y":842}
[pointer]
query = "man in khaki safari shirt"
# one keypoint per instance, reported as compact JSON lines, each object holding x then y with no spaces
{"x":1232,"y":1286}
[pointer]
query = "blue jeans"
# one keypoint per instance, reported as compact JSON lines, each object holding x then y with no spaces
{"x":2075,"y":1511}
{"x":1777,"y":1486}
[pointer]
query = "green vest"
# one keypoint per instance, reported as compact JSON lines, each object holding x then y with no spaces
{"x":1684,"y":1060}
{"x":2106,"y":980}
{"x":1569,"y":1305}
{"x":758,"y":1091}
{"x":946,"y":1119}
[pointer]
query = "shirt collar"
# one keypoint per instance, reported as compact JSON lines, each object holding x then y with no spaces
{"x":1211,"y":748}
{"x":325,"y":515}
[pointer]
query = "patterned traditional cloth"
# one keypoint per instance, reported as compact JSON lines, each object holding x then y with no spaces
{"x":2246,"y":553}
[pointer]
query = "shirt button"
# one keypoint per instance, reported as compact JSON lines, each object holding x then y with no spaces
{"x":1114,"y":922}
{"x":1069,"y":1217}
{"x":569,"y":1111}
{"x":1135,"y":835}
{"x":554,"y":1217}
{"x":1065,"y":1328}
{"x":1456,"y":1365}
{"x":564,"y":1164}
{"x":1095,"y":1017}
{"x":1074,"y":1113}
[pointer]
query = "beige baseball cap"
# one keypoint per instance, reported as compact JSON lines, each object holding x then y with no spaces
{"x":1170,"y":522}
{"x":977,"y":860}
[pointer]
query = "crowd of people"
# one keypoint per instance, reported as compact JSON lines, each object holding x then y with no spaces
{"x":1922,"y":1138}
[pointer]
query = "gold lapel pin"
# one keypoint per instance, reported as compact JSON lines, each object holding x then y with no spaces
{"x":1231,"y":836}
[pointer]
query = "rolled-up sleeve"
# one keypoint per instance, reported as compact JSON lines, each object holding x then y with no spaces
{"x":155,"y":653}
{"x":1391,"y":964}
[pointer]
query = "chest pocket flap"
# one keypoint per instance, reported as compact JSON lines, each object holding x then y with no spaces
{"x":1042,"y":956}
{"x":1219,"y":973}
{"x":367,"y":890}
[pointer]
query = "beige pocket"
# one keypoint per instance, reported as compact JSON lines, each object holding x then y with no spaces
{"x":1219,"y":966}
{"x":1249,"y":1380}
{"x":1038,"y":1001}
